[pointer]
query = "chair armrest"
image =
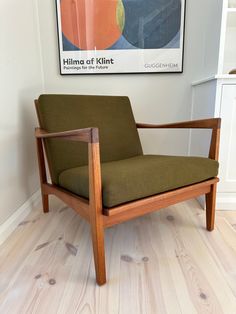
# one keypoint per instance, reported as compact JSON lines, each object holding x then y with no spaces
{"x":213,"y":123}
{"x":88,"y":135}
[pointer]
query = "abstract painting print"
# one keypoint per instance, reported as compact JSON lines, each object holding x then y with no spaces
{"x":120,"y":36}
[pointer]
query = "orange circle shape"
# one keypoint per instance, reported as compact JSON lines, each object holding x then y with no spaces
{"x":90,"y":24}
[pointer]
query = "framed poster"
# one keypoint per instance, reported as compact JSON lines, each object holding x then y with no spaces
{"x":120,"y":36}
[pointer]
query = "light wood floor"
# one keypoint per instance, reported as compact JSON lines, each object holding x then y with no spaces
{"x":165,"y":262}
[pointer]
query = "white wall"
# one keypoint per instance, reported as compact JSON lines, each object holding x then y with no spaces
{"x":20,"y":82}
{"x":206,"y":27}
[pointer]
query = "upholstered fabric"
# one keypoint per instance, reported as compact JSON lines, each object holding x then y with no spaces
{"x":141,"y":176}
{"x":111,"y":114}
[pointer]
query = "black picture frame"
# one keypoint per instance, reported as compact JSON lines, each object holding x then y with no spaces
{"x":79,"y":55}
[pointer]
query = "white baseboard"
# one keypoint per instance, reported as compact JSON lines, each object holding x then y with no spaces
{"x":13,"y":221}
{"x":224,"y":201}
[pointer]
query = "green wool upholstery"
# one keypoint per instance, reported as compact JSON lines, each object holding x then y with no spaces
{"x":141,"y":176}
{"x":111,"y":114}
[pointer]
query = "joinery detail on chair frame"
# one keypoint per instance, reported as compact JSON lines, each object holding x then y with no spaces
{"x":92,"y":210}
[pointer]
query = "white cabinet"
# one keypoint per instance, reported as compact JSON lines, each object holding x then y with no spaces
{"x":228,"y":142}
{"x":217,"y":98}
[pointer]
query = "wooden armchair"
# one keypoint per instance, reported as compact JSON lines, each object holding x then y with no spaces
{"x":123,"y":183}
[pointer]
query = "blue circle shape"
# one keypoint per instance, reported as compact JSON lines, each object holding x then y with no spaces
{"x":151,"y":24}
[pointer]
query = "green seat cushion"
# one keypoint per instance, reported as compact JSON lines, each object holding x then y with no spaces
{"x":112,"y":115}
{"x":141,"y":176}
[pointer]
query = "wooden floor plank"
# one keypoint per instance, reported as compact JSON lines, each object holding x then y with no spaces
{"x":222,"y":246}
{"x":196,"y":264}
{"x":164,"y":262}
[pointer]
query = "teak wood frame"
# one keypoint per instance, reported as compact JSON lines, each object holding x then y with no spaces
{"x":93,"y":211}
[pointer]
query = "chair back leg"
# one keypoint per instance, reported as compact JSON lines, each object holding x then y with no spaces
{"x":45,"y":202}
{"x":210,"y":208}
{"x":42,"y":174}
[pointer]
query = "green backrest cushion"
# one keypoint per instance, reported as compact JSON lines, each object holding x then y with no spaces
{"x":112,"y":115}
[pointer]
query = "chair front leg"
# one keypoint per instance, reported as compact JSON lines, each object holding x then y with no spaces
{"x":98,"y":250}
{"x":210,"y":208}
{"x":96,"y":216}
